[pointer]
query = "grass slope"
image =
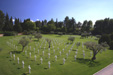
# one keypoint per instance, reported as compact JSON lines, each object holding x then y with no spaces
{"x":81,"y":67}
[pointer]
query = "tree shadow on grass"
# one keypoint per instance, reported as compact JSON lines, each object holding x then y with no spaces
{"x":68,"y":43}
{"x":74,"y":50}
{"x":17,"y":52}
{"x":25,"y":73}
{"x":45,"y":68}
{"x":36,"y":40}
{"x":88,"y":62}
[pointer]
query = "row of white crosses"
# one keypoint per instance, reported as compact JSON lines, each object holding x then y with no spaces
{"x":49,"y":55}
{"x":22,"y":62}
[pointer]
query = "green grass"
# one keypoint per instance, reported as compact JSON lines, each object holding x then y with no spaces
{"x":81,"y":67}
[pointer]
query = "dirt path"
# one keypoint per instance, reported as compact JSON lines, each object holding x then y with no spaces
{"x":1,"y":35}
{"x":106,"y":71}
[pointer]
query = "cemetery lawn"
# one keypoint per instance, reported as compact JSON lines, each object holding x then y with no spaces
{"x":9,"y":66}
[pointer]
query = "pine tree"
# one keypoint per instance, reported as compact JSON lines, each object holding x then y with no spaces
{"x":1,"y":20}
{"x":17,"y":26}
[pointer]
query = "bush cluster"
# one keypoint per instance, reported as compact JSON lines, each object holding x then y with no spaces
{"x":10,"y":33}
{"x":107,"y":38}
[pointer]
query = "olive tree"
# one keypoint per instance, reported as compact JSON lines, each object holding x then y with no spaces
{"x":78,"y":44}
{"x":71,"y":39}
{"x":38,"y":36}
{"x":24,"y":42}
{"x":49,"y":42}
{"x":95,"y":47}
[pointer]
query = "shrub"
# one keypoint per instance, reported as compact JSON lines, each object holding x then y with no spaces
{"x":25,"y":32}
{"x":38,"y":36}
{"x":71,"y":38}
{"x":10,"y":33}
{"x":51,"y":32}
{"x":98,"y":36}
{"x":83,"y":35}
{"x":105,"y":38}
{"x":111,"y":45}
{"x":60,"y":33}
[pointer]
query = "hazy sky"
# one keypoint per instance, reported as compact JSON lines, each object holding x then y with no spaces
{"x":46,"y":9}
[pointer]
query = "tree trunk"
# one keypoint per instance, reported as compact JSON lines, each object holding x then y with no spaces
{"x":94,"y":57}
{"x":22,"y":49}
{"x":49,"y":45}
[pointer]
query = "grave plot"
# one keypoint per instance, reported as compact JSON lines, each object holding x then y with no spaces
{"x":43,"y":55}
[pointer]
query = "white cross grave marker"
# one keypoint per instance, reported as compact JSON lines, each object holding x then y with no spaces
{"x":23,"y":64}
{"x":14,"y":56}
{"x":75,"y":57}
{"x":18,"y":59}
{"x":29,"y":69}
{"x":11,"y":54}
{"x":41,"y":60}
{"x":30,"y":54}
{"x":63,"y":50}
{"x":60,"y":53}
{"x":55,"y":57}
{"x":64,"y":60}
{"x":25,"y":52}
{"x":54,"y":51}
{"x":66,"y":55}
{"x":49,"y":64}
{"x":48,"y":55}
{"x":35,"y":57}
{"x":43,"y":53}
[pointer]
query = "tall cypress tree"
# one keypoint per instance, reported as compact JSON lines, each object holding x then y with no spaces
{"x":11,"y":23}
{"x":17,"y":26}
{"x":7,"y":23}
{"x":2,"y":20}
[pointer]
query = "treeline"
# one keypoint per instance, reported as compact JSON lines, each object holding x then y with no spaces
{"x":66,"y":26}
{"x":103,"y":26}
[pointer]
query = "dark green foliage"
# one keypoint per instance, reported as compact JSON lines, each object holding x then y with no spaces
{"x":103,"y":26}
{"x":105,"y":38}
{"x":2,"y":20}
{"x":87,"y":25}
{"x":111,"y":45}
{"x":29,"y":26}
{"x":60,"y":33}
{"x":95,"y":47}
{"x":71,"y":38}
{"x":51,"y":32}
{"x":7,"y":24}
{"x":24,"y":42}
{"x":25,"y":32}
{"x":17,"y":26}
{"x":11,"y":23}
{"x":8,"y":33}
{"x":111,"y":36}
{"x":98,"y":36}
